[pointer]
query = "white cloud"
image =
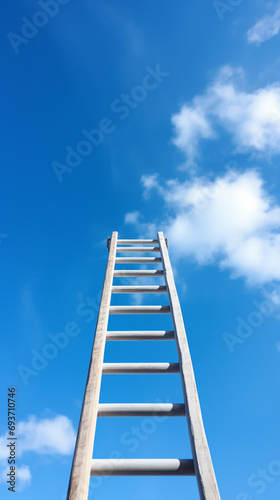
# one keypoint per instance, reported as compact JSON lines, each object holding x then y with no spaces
{"x":231,"y":221}
{"x":23,"y":477}
{"x":49,"y":436}
{"x":265,"y":28}
{"x":149,"y":181}
{"x":191,"y":124}
{"x":145,"y":230}
{"x":3,"y":475}
{"x":3,"y":448}
{"x":251,"y":118}
{"x":46,"y":436}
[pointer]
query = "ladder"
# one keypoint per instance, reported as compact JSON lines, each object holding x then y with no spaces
{"x":84,"y":466}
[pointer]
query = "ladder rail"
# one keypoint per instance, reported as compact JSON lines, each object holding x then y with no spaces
{"x":82,"y":461}
{"x":204,"y":471}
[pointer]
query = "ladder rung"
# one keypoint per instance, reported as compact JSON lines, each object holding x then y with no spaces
{"x":141,"y":410}
{"x":137,"y":242}
{"x":134,"y":273}
{"x":139,"y":289}
{"x":137,"y":249}
{"x":142,"y":467}
{"x":126,"y":368}
{"x":137,"y":260}
{"x":139,"y":310}
{"x":140,"y":335}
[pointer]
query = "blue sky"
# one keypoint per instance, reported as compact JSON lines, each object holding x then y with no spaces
{"x":139,"y":117}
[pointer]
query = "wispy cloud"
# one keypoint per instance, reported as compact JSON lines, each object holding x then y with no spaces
{"x":265,"y":28}
{"x":115,"y":19}
{"x":145,"y":229}
{"x":230,"y":221}
{"x":131,"y":217}
{"x":251,"y":118}
{"x":29,"y":315}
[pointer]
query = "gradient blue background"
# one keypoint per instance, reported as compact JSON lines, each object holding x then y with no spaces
{"x":54,"y":255}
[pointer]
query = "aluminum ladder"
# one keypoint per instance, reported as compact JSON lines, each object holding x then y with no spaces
{"x":84,"y":466}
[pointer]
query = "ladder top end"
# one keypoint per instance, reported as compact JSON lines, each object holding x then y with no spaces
{"x":160,"y":234}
